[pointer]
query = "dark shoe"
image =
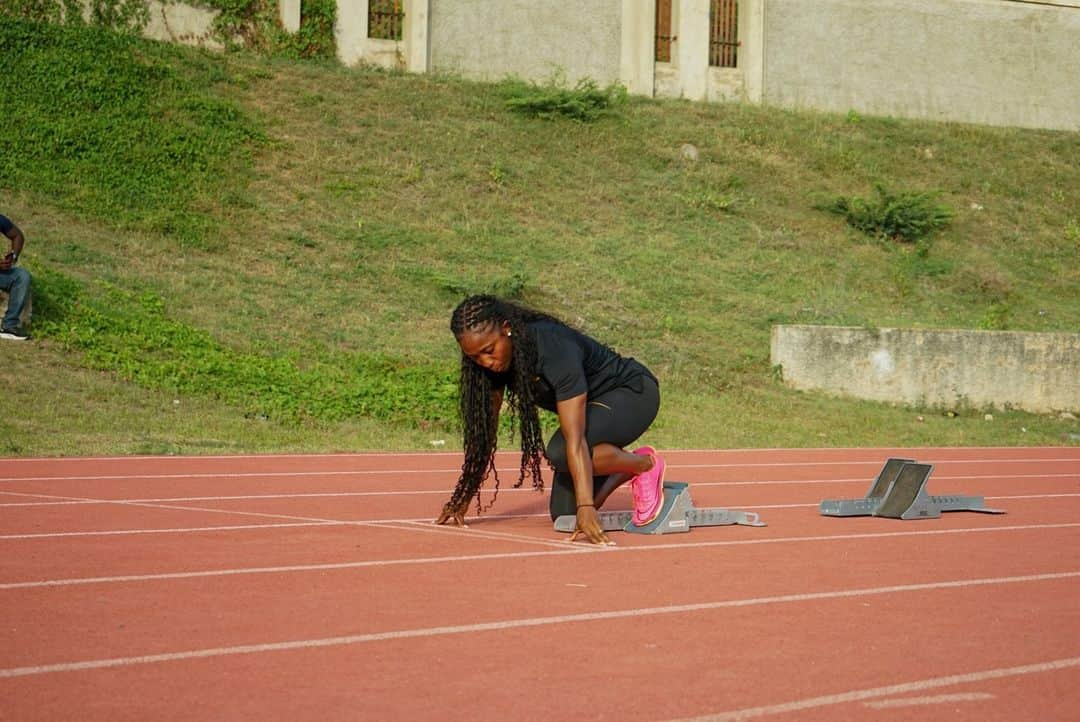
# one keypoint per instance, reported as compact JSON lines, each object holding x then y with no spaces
{"x":13,"y":334}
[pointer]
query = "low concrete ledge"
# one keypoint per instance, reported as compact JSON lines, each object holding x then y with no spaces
{"x":1038,"y":372}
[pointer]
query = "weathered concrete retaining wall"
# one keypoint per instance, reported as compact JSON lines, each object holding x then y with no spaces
{"x":1037,"y":372}
{"x":529,"y":38}
{"x":998,"y":62}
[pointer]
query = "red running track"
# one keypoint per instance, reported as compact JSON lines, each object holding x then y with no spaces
{"x":316,"y":588}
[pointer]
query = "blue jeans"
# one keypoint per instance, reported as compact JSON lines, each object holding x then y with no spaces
{"x":16,"y":282}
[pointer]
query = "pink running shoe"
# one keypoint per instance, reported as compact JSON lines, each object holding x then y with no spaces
{"x":648,"y":488}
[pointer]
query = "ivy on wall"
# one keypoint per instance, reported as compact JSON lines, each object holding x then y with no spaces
{"x":121,"y":15}
{"x":250,"y":24}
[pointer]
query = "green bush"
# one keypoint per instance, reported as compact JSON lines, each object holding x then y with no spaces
{"x":254,"y":24}
{"x":315,"y":38}
{"x":586,"y":101}
{"x":50,"y":11}
{"x":906,"y":216}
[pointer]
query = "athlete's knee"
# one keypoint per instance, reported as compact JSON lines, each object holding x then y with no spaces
{"x":556,"y":453}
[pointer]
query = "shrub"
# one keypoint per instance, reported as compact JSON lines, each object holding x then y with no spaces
{"x":586,"y":101}
{"x":906,"y":216}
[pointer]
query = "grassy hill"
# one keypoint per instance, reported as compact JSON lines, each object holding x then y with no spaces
{"x":234,"y":253}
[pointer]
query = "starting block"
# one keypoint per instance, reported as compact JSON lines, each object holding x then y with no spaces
{"x":873,"y":498}
{"x":907,"y":497}
{"x":904,"y":496}
{"x":677,"y":514}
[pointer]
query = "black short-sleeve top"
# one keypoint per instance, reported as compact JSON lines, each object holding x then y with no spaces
{"x":569,"y":363}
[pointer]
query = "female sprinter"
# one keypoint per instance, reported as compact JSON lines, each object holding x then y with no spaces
{"x":604,"y":401}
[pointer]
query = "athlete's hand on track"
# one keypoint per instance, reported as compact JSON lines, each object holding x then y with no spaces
{"x":457,"y":516}
{"x":588,"y":523}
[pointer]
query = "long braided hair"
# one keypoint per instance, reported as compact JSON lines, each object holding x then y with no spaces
{"x":479,"y":419}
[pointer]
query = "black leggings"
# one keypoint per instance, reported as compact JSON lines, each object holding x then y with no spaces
{"x":616,"y":417}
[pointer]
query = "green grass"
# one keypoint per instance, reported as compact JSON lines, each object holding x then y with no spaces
{"x":117,"y":128}
{"x":288,"y":276}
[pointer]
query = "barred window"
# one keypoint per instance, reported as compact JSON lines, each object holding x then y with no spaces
{"x":723,"y":33}
{"x":385,"y":19}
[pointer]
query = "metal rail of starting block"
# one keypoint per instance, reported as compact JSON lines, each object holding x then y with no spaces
{"x":677,"y":515}
{"x":899,"y":492}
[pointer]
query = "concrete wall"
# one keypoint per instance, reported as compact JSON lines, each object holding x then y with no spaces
{"x":996,"y":62}
{"x":1037,"y":372}
{"x":637,"y":66}
{"x":529,"y":38}
{"x":175,"y":22}
{"x":289,"y":13}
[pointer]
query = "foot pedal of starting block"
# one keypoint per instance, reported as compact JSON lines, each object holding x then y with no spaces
{"x":677,"y":514}
{"x":873,"y":498}
{"x":907,"y":497}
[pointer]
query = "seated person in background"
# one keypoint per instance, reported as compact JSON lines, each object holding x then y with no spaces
{"x":15,"y":281}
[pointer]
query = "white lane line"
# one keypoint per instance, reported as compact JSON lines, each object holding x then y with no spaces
{"x":177,"y":530}
{"x":431,"y":528}
{"x":246,"y":497}
{"x":457,"y":471}
{"x":966,"y":477}
{"x":298,"y":520}
{"x":286,"y":569}
{"x":209,"y":510}
{"x":887,"y":691}
{"x":929,"y":700}
{"x":936,"y":462}
{"x":563,"y":548}
{"x":549,"y":621}
{"x":75,"y":501}
{"x":232,"y":457}
{"x":877,"y":450}
{"x":1033,"y":496}
{"x":80,"y":502}
{"x":868,"y":535}
{"x":381,"y":522}
{"x":401,"y":524}
{"x":241,"y":475}
{"x":992,"y":498}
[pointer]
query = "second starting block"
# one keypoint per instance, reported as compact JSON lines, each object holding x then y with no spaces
{"x":899,"y":492}
{"x":678,"y":514}
{"x":878,"y":487}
